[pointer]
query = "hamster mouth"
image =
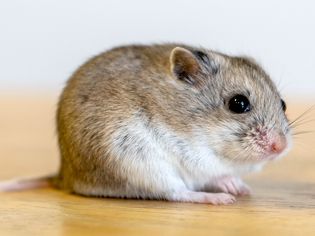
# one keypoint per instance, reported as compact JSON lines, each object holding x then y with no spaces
{"x":268,"y":157}
{"x":258,"y":145}
{"x":272,"y":152}
{"x":270,"y":143}
{"x":256,"y":153}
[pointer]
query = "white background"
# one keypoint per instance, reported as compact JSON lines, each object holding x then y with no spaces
{"x":43,"y":41}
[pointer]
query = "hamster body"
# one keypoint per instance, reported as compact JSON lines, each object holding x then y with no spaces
{"x":167,"y":121}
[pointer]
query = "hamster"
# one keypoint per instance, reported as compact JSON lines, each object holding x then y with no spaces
{"x":168,"y":121}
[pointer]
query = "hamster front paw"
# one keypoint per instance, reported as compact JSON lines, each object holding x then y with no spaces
{"x":203,"y":197}
{"x":232,"y":185}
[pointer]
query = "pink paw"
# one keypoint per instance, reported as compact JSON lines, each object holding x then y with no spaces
{"x":203,"y":197}
{"x":221,"y":199}
{"x":232,"y":185}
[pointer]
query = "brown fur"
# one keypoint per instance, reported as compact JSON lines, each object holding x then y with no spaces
{"x":136,"y":82}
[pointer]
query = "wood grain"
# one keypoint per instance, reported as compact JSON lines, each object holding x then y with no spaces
{"x":283,"y":200}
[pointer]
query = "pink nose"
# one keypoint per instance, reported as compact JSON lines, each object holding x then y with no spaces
{"x":278,"y":144}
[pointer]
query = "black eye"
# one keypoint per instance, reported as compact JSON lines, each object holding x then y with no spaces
{"x":284,"y":106}
{"x":239,"y":104}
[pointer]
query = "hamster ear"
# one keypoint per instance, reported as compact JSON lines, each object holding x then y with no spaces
{"x":193,"y":67}
{"x":184,"y":65}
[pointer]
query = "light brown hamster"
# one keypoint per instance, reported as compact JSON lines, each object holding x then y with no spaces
{"x":170,"y":122}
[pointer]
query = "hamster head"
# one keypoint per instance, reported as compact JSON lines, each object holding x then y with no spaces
{"x":243,"y":115}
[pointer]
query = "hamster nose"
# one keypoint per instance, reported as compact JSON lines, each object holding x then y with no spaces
{"x":278,"y":144}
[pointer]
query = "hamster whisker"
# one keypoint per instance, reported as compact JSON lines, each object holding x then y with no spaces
{"x":235,"y":157}
{"x":303,"y":118}
{"x":301,"y":122}
{"x":272,"y":127}
{"x":302,"y":146}
{"x":302,"y":132}
{"x":246,"y":149}
{"x":302,"y":115}
{"x":249,"y":149}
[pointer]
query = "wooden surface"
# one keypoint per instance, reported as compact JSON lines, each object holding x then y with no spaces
{"x":283,"y":200}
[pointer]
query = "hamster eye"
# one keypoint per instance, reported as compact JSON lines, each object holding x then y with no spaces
{"x":239,"y":104}
{"x":284,"y":105}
